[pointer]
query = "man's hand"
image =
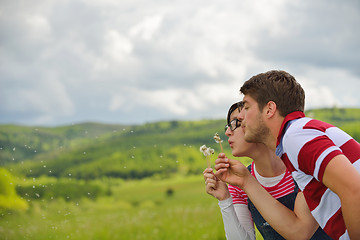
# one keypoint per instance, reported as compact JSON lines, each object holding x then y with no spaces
{"x":231,"y":171}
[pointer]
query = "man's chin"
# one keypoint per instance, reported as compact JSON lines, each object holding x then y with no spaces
{"x":250,"y":139}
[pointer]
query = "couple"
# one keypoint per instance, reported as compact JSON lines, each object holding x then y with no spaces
{"x":323,"y":160}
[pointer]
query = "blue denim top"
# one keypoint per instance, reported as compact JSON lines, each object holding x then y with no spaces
{"x":266,"y":230}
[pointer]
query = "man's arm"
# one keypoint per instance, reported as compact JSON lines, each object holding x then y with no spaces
{"x":297,"y":224}
{"x":344,"y":180}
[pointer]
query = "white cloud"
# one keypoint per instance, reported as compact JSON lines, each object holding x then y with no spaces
{"x":202,"y":99}
{"x":43,"y":101}
{"x":329,"y":87}
{"x":117,"y":46}
{"x":172,"y":59}
{"x":38,"y":26}
{"x":147,"y":28}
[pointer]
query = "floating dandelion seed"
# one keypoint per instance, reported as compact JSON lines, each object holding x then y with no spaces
{"x":218,"y":140}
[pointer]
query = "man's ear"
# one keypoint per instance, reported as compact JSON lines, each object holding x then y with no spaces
{"x":270,"y":109}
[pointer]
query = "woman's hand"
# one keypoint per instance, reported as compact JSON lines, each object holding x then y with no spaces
{"x":214,"y":186}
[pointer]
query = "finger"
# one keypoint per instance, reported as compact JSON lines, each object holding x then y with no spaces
{"x":209,"y":180}
{"x":221,"y":165}
{"x":211,"y":186}
{"x":208,"y":176}
{"x":208,"y":170}
{"x":220,"y":172}
{"x":222,"y":160}
{"x":210,"y":183}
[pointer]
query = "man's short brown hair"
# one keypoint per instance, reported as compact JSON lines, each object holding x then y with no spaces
{"x":278,"y":86}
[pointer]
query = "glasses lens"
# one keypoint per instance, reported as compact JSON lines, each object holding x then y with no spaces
{"x":233,"y":124}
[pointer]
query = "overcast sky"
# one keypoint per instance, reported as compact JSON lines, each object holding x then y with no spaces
{"x":138,"y":61}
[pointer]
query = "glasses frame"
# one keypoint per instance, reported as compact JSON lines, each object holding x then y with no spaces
{"x":234,"y":124}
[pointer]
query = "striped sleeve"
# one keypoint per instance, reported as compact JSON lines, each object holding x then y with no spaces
{"x":238,"y":195}
{"x":283,"y":188}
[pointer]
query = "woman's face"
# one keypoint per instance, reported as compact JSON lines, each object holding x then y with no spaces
{"x":239,"y":146}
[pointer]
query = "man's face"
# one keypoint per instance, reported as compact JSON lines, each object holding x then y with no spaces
{"x":252,"y":121}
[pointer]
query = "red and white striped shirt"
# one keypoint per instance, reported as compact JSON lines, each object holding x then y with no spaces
{"x":283,"y":188}
{"x":306,"y":147}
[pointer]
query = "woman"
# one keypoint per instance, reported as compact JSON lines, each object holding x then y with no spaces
{"x":238,"y":212}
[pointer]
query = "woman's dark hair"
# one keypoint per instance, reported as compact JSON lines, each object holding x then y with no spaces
{"x":237,"y":105}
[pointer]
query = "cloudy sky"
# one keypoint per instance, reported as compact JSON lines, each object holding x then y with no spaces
{"x":138,"y":61}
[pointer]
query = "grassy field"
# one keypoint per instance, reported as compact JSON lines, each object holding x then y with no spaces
{"x":176,"y":208}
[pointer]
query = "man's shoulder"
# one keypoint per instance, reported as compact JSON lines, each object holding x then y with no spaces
{"x":304,"y":124}
{"x":299,"y":132}
{"x":297,"y":125}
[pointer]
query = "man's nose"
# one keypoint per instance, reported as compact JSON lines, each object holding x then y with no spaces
{"x":241,"y":115}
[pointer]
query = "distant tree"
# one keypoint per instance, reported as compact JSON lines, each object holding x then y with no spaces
{"x":9,"y":200}
{"x":169,"y":192}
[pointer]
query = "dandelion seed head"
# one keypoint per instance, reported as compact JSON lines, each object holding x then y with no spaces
{"x":217,"y":138}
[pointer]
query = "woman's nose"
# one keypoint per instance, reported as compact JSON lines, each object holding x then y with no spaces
{"x":228,"y":132}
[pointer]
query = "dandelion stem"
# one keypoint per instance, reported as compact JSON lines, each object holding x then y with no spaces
{"x":222,"y":150}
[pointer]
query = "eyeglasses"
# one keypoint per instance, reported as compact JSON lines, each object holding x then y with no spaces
{"x":234,"y":124}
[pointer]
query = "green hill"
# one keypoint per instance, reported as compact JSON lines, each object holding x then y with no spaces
{"x":119,"y":151}
{"x":348,"y":119}
{"x":92,"y":150}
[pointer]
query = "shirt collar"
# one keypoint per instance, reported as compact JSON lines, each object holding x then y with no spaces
{"x":289,"y":117}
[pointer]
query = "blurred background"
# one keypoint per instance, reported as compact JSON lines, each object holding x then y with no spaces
{"x":104,"y":105}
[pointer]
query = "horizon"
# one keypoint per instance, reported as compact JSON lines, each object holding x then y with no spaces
{"x":152,"y":122}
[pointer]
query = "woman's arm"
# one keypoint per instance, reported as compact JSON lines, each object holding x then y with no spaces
{"x":238,"y":223}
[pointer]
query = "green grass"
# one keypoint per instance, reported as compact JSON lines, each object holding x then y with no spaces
{"x":140,"y":210}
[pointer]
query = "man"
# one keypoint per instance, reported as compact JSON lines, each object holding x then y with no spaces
{"x":323,"y":160}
